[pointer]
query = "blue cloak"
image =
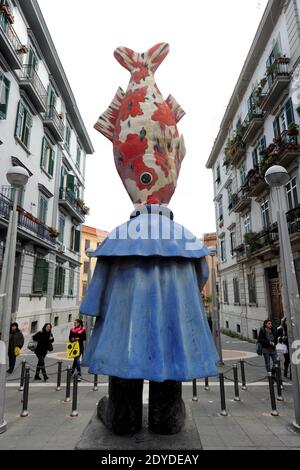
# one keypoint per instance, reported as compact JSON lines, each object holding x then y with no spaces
{"x":146,"y":295}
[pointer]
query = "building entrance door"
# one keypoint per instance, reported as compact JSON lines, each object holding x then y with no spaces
{"x":275,"y":296}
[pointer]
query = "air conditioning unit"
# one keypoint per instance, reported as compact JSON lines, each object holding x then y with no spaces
{"x":62,"y":248}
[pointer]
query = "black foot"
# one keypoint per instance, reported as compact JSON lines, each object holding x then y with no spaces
{"x":122,"y":411}
{"x":166,"y":408}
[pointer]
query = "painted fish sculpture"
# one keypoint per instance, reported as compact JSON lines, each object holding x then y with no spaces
{"x":142,"y":126}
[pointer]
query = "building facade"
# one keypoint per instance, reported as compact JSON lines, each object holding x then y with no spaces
{"x":210,"y":241}
{"x":260,"y":128}
{"x":91,"y":239}
{"x":41,"y":130}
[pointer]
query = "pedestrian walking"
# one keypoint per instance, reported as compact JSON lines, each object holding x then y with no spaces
{"x":44,"y":341}
{"x":282,"y":338}
{"x":268,"y":338}
{"x":78,"y":333}
{"x":15,"y":344}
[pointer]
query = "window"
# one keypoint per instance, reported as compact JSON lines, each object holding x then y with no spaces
{"x":265,"y":210}
{"x":292,"y":194}
{"x":221,"y":215}
{"x":252,"y":288}
{"x":71,"y":281}
{"x":84,"y":288}
{"x":223,"y":250}
{"x":236,"y":290}
{"x":69,"y":318}
{"x":43,"y":208}
{"x":238,"y":328}
{"x":60,"y":274}
{"x":227,"y":325}
{"x":51,"y":97}
{"x":40,"y":276}
{"x":243,"y":174}
{"x":4,"y":95}
{"x":254,"y":333}
{"x":232,"y":244}
{"x":61,"y":228}
{"x":68,"y":137}
{"x":86,"y":267}
{"x":247,"y":223}
{"x":290,"y":117}
{"x":229,"y":195}
{"x":78,"y":156}
{"x":75,"y":239}
{"x":87,"y":244}
{"x":56,"y":321}
{"x":23,"y":124}
{"x":48,"y":157}
{"x":225,"y":292}
{"x":218,"y":175}
{"x":34,"y":327}
{"x":33,"y":60}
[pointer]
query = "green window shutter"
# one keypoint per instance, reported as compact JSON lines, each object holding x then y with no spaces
{"x":20,"y":112}
{"x":43,"y":152}
{"x":51,"y":162}
{"x":4,"y":95}
{"x":63,"y":280}
{"x":77,"y":241}
{"x":289,"y":112}
{"x":27,"y":128}
{"x":40,"y":279}
{"x":70,"y":182}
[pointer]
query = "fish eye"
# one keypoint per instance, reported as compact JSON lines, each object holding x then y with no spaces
{"x":146,"y":178}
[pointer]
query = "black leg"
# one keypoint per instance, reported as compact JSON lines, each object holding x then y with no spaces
{"x":122,"y":410}
{"x":166,"y":407}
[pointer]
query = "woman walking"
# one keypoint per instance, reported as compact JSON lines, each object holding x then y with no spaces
{"x":268,"y":337}
{"x":16,"y":342}
{"x":44,"y":340}
{"x":78,"y":333}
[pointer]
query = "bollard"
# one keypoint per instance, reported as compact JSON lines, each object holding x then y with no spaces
{"x":222,"y":394}
{"x":206,"y":384}
{"x":95,"y":389}
{"x":195,"y":397}
{"x":280,"y":375}
{"x":21,"y":388}
{"x":278,"y":381}
{"x":25,"y":412}
{"x":58,"y":385}
{"x":236,"y":383}
{"x":68,"y":385}
{"x":74,"y":412}
{"x":243,"y":374}
{"x":274,"y":411}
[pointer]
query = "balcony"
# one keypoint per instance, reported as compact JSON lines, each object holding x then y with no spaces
{"x":71,"y":204}
{"x":10,"y":45}
{"x":253,"y":124}
{"x":54,"y":123}
{"x":278,"y":80}
{"x":235,"y":150}
{"x":255,"y":183}
{"x":26,"y":221}
{"x":31,"y":83}
{"x":241,"y":201}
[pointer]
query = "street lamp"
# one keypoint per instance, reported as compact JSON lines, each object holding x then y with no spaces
{"x":89,"y":320}
{"x":276,"y":177}
{"x":17,"y":177}
{"x":215,"y":308}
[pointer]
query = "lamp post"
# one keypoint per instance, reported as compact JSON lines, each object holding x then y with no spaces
{"x":215,"y":309}
{"x":89,"y":320}
{"x":276,"y":177}
{"x":17,"y":178}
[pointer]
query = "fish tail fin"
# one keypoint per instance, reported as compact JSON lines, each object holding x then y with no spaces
{"x":131,"y":60}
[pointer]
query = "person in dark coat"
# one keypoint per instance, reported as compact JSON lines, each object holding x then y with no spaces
{"x":282,"y":337}
{"x":268,"y":338}
{"x":44,"y":340}
{"x":16,"y":340}
{"x":78,"y":333}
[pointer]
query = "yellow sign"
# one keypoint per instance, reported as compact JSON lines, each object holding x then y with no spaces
{"x":73,"y":350}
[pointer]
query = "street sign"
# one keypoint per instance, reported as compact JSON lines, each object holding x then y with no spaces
{"x":73,"y":350}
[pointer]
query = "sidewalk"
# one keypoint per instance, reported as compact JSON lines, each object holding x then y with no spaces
{"x":248,"y":425}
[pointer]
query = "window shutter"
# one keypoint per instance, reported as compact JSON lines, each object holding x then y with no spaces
{"x":43,"y":152}
{"x":20,"y":113}
{"x":77,"y":241}
{"x":70,"y":182}
{"x":63,"y":279}
{"x":51,"y":162}
{"x":289,"y":112}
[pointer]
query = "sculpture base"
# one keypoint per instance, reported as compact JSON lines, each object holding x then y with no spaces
{"x":97,"y":437}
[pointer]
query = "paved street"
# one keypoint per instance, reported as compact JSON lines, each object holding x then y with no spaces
{"x":248,"y":425}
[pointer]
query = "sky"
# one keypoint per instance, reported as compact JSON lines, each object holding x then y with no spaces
{"x":209,"y":42}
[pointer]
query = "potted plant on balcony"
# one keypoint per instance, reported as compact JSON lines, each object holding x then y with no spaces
{"x":283,"y":59}
{"x":23,"y":49}
{"x":239,"y":248}
{"x":53,"y":232}
{"x":293,"y":129}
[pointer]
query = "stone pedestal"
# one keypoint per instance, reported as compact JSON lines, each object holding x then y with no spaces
{"x":97,"y":437}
